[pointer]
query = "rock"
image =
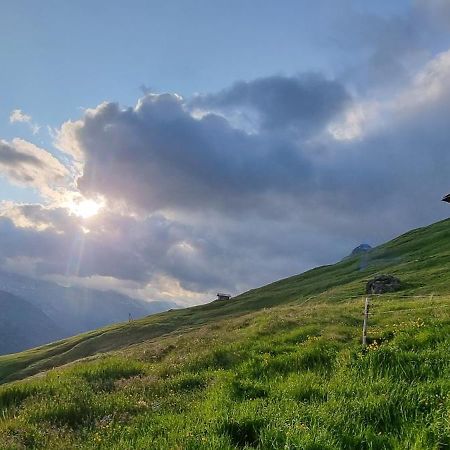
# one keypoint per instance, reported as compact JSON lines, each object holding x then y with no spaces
{"x":382,"y":284}
{"x":363,"y":248}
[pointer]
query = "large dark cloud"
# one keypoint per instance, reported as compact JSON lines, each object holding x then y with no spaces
{"x":157,"y":156}
{"x":305,"y":102}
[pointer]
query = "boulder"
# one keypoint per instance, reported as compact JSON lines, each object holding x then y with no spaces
{"x":382,"y":284}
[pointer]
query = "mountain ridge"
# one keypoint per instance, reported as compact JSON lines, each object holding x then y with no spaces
{"x":23,"y":325}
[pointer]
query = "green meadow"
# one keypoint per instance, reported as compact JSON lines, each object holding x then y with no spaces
{"x":278,"y":367}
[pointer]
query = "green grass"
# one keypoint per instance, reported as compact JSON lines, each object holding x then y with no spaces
{"x":278,"y":367}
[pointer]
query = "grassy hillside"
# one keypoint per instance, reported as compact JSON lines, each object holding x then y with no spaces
{"x":278,"y":367}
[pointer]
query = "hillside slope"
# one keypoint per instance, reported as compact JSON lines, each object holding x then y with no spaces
{"x":420,"y":258}
{"x":277,"y":367}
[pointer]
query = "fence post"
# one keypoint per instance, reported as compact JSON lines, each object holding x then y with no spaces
{"x":366,"y":318}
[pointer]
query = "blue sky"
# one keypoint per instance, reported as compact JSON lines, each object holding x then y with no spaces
{"x":305,"y":109}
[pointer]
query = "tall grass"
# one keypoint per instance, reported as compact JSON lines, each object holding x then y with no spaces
{"x":306,"y":384}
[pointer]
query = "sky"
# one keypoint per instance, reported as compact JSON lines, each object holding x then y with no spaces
{"x":175,"y":149}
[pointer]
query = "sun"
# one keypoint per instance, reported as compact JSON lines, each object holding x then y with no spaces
{"x":86,"y":208}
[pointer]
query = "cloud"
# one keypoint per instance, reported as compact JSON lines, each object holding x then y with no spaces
{"x":381,"y":51}
{"x":25,"y":164}
{"x":429,"y":86}
{"x":160,"y":156}
{"x":17,"y":115}
{"x":157,"y":256}
{"x":303,"y":103}
{"x":33,"y":216}
{"x":436,"y":13}
{"x":139,"y":254}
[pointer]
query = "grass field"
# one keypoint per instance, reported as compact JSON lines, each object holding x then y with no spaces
{"x":280,"y":367}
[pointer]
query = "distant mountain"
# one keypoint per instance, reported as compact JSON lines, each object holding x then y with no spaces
{"x":363,"y":248}
{"x":75,"y":309}
{"x":23,"y":325}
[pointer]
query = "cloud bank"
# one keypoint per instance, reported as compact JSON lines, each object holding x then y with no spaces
{"x":233,"y":189}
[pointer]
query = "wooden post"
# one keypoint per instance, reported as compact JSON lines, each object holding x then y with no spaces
{"x":366,"y":318}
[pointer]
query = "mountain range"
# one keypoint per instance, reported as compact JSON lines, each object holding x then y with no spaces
{"x":60,"y":311}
